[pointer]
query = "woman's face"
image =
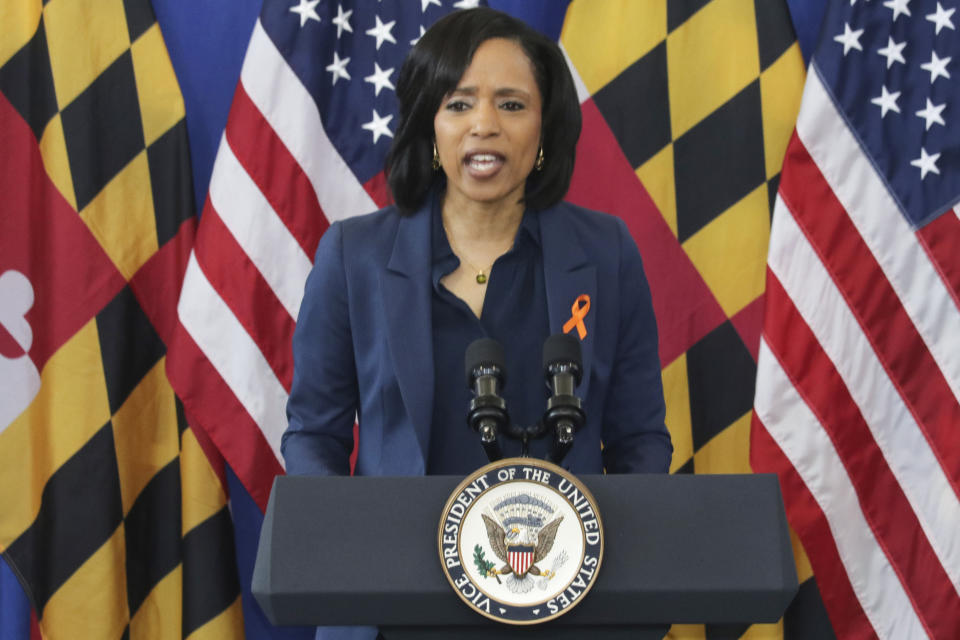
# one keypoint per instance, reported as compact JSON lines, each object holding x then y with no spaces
{"x":488,"y":128}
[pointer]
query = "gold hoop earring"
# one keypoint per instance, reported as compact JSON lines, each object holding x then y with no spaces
{"x":538,"y":165}
{"x":436,"y":158}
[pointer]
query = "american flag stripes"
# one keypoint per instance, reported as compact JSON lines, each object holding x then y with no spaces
{"x":521,"y":558}
{"x":303,"y":147}
{"x":858,"y":384}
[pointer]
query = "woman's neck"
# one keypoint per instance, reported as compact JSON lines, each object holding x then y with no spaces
{"x":481,"y":224}
{"x":478,"y":234}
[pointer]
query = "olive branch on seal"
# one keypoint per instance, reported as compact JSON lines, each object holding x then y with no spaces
{"x":484,"y":566}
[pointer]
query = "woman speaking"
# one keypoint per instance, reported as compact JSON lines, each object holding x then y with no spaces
{"x":477,"y":244}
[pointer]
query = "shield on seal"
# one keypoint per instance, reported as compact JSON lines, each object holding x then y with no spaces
{"x":520,"y":558}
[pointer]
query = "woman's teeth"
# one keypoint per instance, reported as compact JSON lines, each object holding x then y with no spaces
{"x":483,"y":161}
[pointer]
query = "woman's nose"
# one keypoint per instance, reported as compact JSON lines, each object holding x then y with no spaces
{"x":486,"y":120}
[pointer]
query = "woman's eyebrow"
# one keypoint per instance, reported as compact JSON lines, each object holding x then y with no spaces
{"x":504,"y":91}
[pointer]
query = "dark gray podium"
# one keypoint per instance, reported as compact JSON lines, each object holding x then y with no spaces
{"x":679,"y":549}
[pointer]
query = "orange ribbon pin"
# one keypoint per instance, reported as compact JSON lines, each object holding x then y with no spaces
{"x":579,"y":310}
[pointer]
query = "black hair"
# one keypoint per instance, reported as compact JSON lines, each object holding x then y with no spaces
{"x":432,"y":70}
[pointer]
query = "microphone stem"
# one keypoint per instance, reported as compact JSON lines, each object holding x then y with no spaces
{"x":563,"y":384}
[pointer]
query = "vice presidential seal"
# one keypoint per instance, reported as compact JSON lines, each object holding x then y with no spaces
{"x":521,"y":541}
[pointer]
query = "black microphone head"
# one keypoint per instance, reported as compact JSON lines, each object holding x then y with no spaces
{"x":562,"y":348}
{"x":485,"y":352}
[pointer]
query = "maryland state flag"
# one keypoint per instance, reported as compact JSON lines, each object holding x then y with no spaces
{"x":111,"y":514}
{"x":688,"y":108}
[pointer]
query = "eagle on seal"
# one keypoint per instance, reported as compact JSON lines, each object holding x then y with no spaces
{"x":519,"y":548}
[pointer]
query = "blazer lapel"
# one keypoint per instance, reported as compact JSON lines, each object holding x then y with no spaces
{"x":568,"y":275}
{"x":405,"y":288}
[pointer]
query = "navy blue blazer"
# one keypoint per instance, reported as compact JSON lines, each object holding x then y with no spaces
{"x":363,"y":346}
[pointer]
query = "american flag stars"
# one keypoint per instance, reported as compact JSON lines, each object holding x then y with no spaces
{"x":417,"y":39}
{"x":931,"y":113}
{"x":381,"y":32}
{"x":942,"y":18}
{"x":927,"y":163}
{"x":893,"y":52}
{"x":901,"y":80}
{"x":378,"y":126}
{"x":887,"y":101}
{"x":338,"y":68}
{"x":850,"y":39}
{"x":380,"y":79}
{"x":343,"y":21}
{"x":372,"y":38}
{"x":307,"y":10}
{"x":937,"y":67}
{"x":899,"y":7}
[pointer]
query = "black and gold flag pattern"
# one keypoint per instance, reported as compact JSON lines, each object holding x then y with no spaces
{"x":701,"y":97}
{"x":113,"y":514}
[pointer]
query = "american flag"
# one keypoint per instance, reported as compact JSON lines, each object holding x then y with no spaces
{"x":310,"y":124}
{"x":859,"y":370}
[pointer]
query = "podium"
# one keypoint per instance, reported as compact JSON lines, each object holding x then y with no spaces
{"x":679,"y":549}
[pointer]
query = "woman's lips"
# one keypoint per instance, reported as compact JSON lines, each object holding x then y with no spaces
{"x":483,"y":164}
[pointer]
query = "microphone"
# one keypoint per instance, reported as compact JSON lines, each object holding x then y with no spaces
{"x":485,"y":372}
{"x":563,"y":370}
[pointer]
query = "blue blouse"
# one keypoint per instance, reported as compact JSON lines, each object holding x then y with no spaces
{"x":515,"y":314}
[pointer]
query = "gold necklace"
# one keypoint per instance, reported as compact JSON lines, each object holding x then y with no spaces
{"x":481,"y":273}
